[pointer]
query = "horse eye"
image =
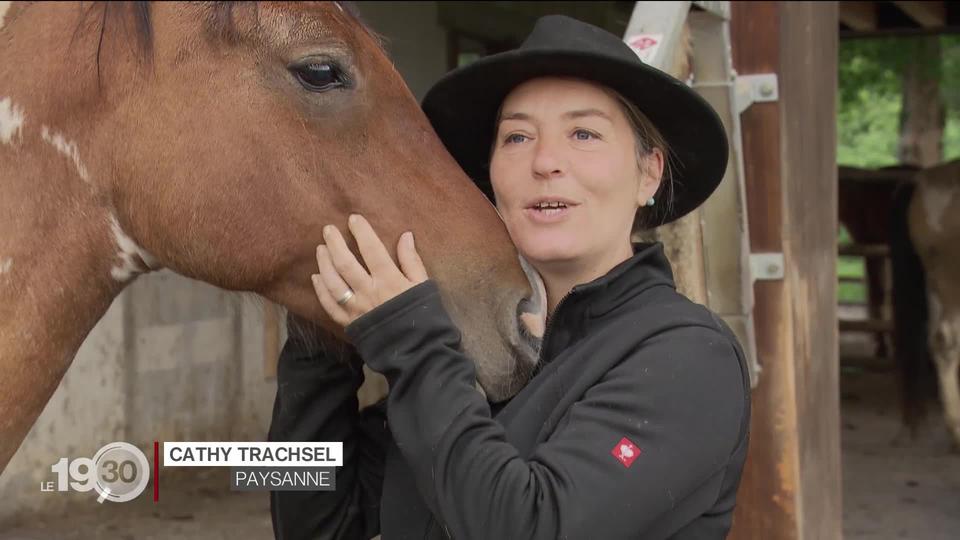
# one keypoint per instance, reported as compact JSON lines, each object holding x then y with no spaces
{"x":318,"y":77}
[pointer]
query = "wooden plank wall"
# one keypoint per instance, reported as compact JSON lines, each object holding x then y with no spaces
{"x":791,"y":485}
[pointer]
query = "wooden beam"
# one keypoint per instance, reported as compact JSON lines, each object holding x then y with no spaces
{"x":898,"y":32}
{"x":864,"y":250}
{"x":859,"y":15}
{"x":891,"y":174}
{"x":871,"y":364}
{"x":927,"y":14}
{"x":865,"y":325}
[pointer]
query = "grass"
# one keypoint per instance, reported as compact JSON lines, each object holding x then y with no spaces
{"x":850,"y":267}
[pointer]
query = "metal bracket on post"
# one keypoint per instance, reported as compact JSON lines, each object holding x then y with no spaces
{"x":720,"y":9}
{"x":766,"y":266}
{"x":758,"y":88}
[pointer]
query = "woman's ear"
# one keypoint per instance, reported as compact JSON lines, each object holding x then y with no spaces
{"x":650,"y":176}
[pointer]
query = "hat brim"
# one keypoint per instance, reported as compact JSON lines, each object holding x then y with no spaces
{"x":462,"y":107}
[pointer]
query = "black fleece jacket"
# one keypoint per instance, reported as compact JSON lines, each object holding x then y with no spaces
{"x":635,"y":424}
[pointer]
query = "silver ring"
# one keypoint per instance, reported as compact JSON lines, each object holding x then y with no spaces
{"x":345,"y":298}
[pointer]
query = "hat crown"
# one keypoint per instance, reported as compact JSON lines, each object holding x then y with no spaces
{"x":563,"y":33}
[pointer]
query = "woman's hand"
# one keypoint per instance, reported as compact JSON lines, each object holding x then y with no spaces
{"x":345,"y":289}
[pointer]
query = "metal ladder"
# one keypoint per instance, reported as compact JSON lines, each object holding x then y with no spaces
{"x":656,"y":33}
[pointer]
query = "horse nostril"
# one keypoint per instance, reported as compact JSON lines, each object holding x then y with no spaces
{"x":532,"y":311}
{"x":532,"y":324}
{"x":530,"y":328}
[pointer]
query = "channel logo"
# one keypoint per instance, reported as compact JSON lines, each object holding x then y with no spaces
{"x":118,"y":472}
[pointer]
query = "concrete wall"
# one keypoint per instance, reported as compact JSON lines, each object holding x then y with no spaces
{"x":176,"y":359}
{"x":173,"y":359}
{"x":413,"y":38}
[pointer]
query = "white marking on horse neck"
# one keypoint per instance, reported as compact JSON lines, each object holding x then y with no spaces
{"x":5,"y":265}
{"x":936,"y":200}
{"x":67,"y":148}
{"x":128,"y":266}
{"x":4,"y":6}
{"x":11,"y":116}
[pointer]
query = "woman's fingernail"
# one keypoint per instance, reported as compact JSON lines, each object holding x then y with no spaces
{"x":410,"y":238}
{"x":315,"y":278}
{"x":352,"y":219}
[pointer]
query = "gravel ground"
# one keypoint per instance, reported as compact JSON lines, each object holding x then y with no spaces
{"x":893,"y":486}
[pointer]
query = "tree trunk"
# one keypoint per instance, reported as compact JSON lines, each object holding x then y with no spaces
{"x":922,"y":116}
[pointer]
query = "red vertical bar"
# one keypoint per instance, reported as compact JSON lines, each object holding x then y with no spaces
{"x":156,"y":471}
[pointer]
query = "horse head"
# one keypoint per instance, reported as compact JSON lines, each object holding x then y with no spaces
{"x":216,"y":140}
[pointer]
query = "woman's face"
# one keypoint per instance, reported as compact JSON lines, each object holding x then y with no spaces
{"x":565,"y":174}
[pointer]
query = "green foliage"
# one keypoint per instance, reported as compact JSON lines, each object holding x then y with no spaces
{"x":844,"y":237}
{"x":869,"y":96}
{"x":951,"y":139}
{"x":950,"y":77}
{"x":868,"y":116}
{"x":852,"y":293}
{"x":850,"y":267}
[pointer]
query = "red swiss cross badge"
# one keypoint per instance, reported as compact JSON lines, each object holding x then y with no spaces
{"x":625,"y":452}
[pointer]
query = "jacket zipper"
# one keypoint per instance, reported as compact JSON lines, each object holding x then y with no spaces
{"x":546,"y":332}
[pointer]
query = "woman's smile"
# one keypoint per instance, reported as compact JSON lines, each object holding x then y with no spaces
{"x":547,"y":210}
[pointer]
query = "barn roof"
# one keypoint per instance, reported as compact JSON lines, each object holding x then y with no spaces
{"x":869,"y":19}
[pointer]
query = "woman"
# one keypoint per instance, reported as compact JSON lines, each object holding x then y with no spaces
{"x":635,"y":423}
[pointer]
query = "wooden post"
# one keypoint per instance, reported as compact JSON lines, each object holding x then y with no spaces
{"x":808,"y":92}
{"x":791,"y":484}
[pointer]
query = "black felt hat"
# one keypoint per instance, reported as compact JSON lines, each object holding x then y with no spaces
{"x":462,"y":106}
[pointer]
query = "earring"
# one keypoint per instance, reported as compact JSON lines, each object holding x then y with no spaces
{"x":650,"y":201}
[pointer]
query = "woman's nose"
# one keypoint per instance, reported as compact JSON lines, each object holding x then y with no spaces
{"x":548,"y":158}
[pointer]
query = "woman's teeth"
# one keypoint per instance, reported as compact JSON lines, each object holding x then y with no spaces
{"x":549,"y":206}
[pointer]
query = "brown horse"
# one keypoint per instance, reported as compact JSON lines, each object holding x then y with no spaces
{"x":216,"y":139}
{"x":865,"y":200}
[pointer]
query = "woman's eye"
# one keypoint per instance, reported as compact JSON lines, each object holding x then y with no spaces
{"x":514,"y":138}
{"x":583,"y":135}
{"x":318,"y":77}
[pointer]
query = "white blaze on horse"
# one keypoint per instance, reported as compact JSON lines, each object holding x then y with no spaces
{"x":934,"y":220}
{"x":216,"y":140}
